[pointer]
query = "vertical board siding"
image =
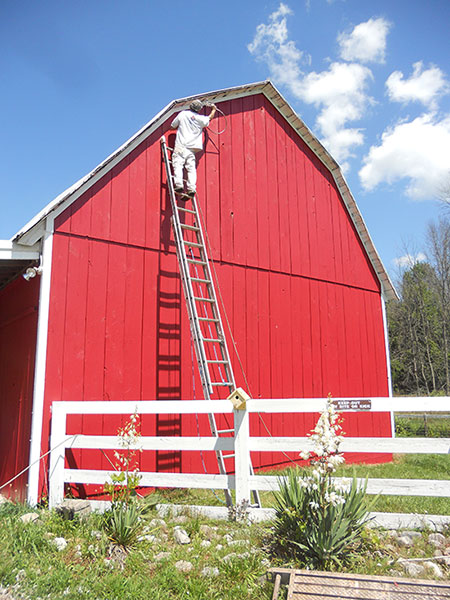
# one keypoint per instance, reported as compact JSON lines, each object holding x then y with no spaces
{"x":18,"y":332}
{"x":300,"y":295}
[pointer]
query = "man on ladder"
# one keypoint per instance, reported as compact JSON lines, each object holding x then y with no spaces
{"x":189,"y":125}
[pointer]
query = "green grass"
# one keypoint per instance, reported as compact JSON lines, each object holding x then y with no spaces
{"x":32,"y":566}
{"x":422,"y":425}
{"x":411,"y":466}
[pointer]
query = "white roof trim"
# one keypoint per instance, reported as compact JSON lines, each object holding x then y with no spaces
{"x":12,"y":251}
{"x":32,"y":231}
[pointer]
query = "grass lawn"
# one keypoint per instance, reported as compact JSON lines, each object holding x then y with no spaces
{"x":410,"y":466}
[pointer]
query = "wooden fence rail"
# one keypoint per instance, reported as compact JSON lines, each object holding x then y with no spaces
{"x":242,"y":444}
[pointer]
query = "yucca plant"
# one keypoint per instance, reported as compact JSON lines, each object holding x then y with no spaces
{"x":316,"y":518}
{"x":123,"y":524}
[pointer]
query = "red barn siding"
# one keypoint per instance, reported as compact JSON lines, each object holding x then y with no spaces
{"x":18,"y":327}
{"x":301,"y":296}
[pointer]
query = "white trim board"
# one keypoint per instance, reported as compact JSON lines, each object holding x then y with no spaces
{"x":40,"y":366}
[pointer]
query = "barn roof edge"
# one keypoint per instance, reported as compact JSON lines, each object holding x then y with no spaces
{"x":33,"y":230}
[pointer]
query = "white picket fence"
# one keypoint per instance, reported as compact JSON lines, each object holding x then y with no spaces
{"x":242,"y":444}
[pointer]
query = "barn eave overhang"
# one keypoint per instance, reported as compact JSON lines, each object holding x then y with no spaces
{"x":35,"y":229}
{"x":15,"y":259}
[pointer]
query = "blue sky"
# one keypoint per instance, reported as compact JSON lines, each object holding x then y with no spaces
{"x":370,"y":79}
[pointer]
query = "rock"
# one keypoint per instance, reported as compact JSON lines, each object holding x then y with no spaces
{"x":4,"y":500}
{"x":29,"y":517}
{"x":229,"y":557}
{"x":146,"y":538}
{"x":405,"y":541}
{"x":437,"y":539}
{"x":393,"y":533}
{"x":96,"y":534}
{"x":227,"y":537}
{"x":21,"y":575}
{"x":413,"y":569}
{"x":219,"y":547}
{"x":180,"y":536}
{"x":70,"y":508}
{"x":207,"y":531}
{"x":243,"y":555}
{"x":180,"y":519}
{"x":161,"y":556}
{"x":238,"y":542}
{"x":60,"y":543}
{"x":157,"y":523}
{"x":205,"y":543}
{"x":210,"y":572}
{"x":434,"y":568}
{"x":184,"y":566}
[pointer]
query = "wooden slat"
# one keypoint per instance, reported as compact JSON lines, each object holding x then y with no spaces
{"x":148,"y":407}
{"x":369,"y":445}
{"x":178,"y":480}
{"x":410,"y":404}
{"x":111,"y":442}
{"x":386,"y":487}
{"x":307,"y":586}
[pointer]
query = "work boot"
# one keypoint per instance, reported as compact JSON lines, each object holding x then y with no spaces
{"x":179,"y":189}
{"x":191,"y":193}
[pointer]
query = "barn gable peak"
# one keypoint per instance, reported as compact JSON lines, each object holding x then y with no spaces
{"x":35,"y":229}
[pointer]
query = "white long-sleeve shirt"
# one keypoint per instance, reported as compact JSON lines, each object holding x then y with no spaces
{"x":190,"y":125}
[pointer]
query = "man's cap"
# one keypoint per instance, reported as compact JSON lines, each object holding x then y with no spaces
{"x":196,"y":105}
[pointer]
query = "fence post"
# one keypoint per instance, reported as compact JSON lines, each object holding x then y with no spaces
{"x":242,"y":454}
{"x":57,"y":455}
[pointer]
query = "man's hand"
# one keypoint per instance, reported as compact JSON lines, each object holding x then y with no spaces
{"x":213,"y":111}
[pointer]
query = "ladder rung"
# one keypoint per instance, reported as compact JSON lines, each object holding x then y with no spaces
{"x":228,"y":455}
{"x":209,"y":319}
{"x":221,"y":384}
{"x":200,"y":280}
{"x":190,"y":227}
{"x":195,"y":261}
{"x":217,"y":362}
{"x":204,"y":299}
{"x":225,"y":430}
{"x":217,"y":340}
{"x":188,"y":210}
{"x":194,"y":244}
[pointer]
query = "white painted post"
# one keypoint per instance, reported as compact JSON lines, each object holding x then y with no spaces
{"x":57,"y":454}
{"x":242,"y":454}
{"x":40,"y":366}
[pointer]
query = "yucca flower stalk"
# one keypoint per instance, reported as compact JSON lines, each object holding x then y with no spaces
{"x":317,"y":518}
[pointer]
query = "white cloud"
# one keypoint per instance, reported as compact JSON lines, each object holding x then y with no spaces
{"x":424,"y":85}
{"x":271,"y":45}
{"x":340,"y":92}
{"x":366,"y":43}
{"x":409,"y":260}
{"x":417,"y":151}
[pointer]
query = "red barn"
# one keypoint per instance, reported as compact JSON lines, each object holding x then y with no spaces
{"x":301,"y":281}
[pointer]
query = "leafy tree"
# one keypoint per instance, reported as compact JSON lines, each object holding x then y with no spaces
{"x":419,"y":325}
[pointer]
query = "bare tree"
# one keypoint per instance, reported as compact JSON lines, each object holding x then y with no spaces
{"x":438,"y":238}
{"x":443,"y":193}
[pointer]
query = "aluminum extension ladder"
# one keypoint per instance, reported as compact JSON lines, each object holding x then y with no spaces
{"x":204,"y":315}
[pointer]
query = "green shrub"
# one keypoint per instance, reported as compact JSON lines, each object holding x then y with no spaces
{"x":123,"y":524}
{"x":317,"y":519}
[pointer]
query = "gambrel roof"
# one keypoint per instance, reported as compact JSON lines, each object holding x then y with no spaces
{"x":35,"y":229}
